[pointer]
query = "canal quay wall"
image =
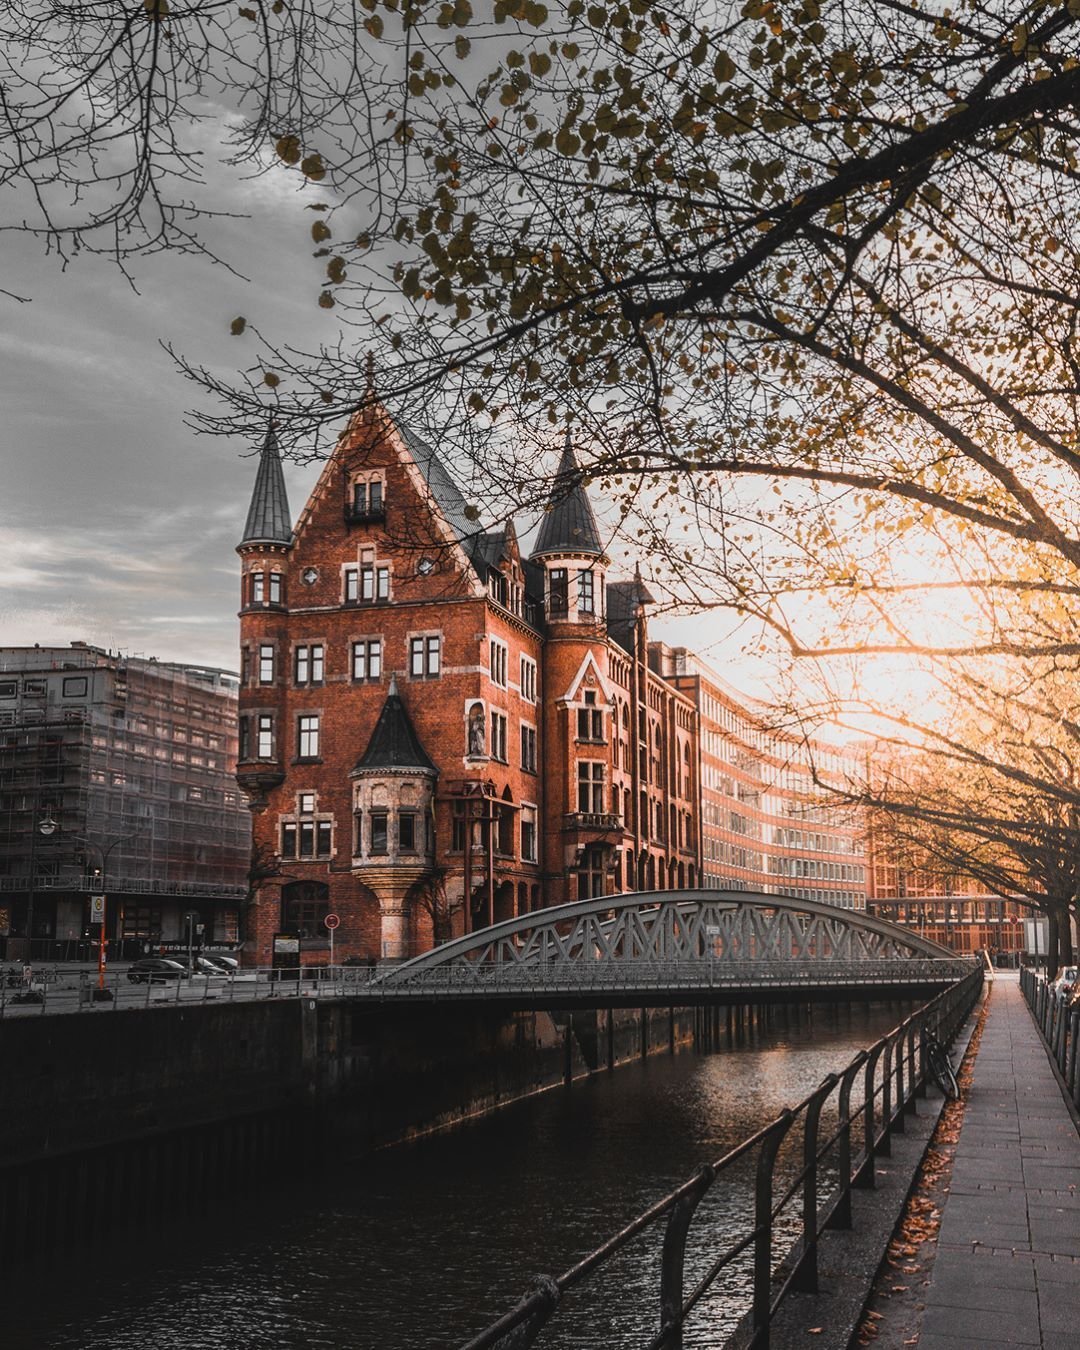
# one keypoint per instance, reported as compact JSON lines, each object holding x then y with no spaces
{"x":113,"y":1119}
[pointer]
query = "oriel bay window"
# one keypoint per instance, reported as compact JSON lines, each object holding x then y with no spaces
{"x":379,"y":832}
{"x":407,"y":832}
{"x":590,"y":719}
{"x":307,"y":738}
{"x":264,"y":736}
{"x":590,"y":774}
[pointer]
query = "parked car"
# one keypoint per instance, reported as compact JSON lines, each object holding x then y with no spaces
{"x":226,"y":964}
{"x":155,"y":970}
{"x":200,"y":965}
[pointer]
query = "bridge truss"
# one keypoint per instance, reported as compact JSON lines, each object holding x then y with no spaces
{"x":660,"y":946}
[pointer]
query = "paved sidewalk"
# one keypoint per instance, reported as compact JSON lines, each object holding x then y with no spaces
{"x":1007,"y":1269}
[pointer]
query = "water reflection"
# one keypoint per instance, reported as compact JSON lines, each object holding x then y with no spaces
{"x":418,"y":1247}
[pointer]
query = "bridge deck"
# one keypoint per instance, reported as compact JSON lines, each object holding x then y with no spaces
{"x":1007,"y":1268}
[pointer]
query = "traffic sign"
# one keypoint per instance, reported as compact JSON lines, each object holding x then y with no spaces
{"x":97,"y":909}
{"x":332,"y":921}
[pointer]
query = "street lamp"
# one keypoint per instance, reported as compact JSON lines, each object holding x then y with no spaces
{"x":45,"y":826}
{"x":98,"y":902}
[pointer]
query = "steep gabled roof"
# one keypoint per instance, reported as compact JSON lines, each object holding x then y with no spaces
{"x":569,"y":525}
{"x":268,"y":519}
{"x":394,"y":743}
{"x":447,"y":494}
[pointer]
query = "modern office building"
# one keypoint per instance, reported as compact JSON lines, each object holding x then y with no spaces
{"x":117,"y":779}
{"x":768,"y":820}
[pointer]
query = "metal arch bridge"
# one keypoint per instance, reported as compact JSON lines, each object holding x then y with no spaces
{"x":674,"y":947}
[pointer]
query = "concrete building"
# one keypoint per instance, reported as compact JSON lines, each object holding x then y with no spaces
{"x":116,"y":778}
{"x":767,"y":821}
{"x":437,"y":732}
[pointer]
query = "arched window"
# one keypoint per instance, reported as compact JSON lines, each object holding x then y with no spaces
{"x":304,"y":905}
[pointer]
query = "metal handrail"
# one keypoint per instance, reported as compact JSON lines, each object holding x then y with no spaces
{"x":1058,"y":1021}
{"x":944,"y":1015}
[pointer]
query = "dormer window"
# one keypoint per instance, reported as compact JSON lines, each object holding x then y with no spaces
{"x":497,"y":587}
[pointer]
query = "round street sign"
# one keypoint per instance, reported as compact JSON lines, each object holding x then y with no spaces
{"x":332,"y":921}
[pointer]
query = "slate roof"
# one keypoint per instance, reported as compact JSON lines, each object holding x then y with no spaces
{"x":569,"y":525}
{"x":394,"y":743}
{"x":624,"y":600}
{"x":488,"y":549}
{"x":447,"y":494}
{"x":268,"y":518}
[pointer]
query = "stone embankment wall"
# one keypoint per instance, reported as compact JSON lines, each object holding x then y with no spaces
{"x":115,"y":1117}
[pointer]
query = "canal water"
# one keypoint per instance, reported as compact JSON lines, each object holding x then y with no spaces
{"x":420,"y":1246}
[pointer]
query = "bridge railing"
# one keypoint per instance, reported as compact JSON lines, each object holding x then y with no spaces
{"x":56,"y":988}
{"x":1058,"y":1018}
{"x":872,"y":1095}
{"x":467,"y":978}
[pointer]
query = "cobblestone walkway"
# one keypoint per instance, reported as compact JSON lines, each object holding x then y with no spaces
{"x":1007,"y":1269}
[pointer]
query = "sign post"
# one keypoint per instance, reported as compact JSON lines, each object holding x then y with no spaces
{"x":97,"y":916}
{"x":331,"y":921}
{"x":285,"y":957}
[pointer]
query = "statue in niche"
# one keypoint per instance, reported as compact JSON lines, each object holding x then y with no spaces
{"x":476,"y":729}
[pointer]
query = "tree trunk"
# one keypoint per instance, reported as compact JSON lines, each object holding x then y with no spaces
{"x":1052,"y":927}
{"x":1065,"y":943}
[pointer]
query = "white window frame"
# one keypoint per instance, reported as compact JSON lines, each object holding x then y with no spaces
{"x":371,"y":647}
{"x":308,"y":735}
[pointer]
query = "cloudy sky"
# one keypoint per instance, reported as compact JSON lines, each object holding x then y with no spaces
{"x":117,"y":521}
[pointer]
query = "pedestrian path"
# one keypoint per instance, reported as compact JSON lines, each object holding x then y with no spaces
{"x":1007,"y":1268}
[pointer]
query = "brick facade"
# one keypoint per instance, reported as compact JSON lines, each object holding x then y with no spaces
{"x":526,"y":754}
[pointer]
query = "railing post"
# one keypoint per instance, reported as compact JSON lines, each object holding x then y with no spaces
{"x":760,"y":1315}
{"x":884,"y":1143}
{"x":805,"y":1274}
{"x":673,"y":1258}
{"x":841,"y":1215}
{"x":864,"y":1178}
{"x":897,"y":1121}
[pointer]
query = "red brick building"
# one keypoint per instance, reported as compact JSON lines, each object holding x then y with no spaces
{"x":435,"y":731}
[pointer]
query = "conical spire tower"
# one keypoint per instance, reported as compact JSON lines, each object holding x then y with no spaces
{"x":569,"y":525}
{"x":268,"y":518}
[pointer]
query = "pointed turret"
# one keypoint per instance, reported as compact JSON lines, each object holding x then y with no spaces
{"x":569,"y":525}
{"x":268,"y":519}
{"x":394,"y":744}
